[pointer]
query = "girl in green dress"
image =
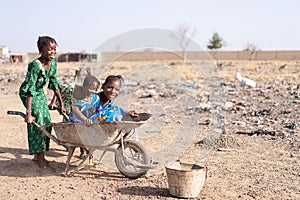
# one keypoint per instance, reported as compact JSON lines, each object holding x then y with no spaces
{"x":41,"y":73}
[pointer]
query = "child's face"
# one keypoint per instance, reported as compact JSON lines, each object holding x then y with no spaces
{"x":49,"y":52}
{"x":112,"y":89}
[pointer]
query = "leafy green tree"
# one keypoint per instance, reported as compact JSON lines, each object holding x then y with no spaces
{"x":216,"y":42}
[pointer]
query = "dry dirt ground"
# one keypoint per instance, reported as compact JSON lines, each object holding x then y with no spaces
{"x":256,"y":156}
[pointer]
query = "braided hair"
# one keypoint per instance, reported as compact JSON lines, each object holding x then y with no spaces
{"x":44,"y":41}
{"x":112,"y":78}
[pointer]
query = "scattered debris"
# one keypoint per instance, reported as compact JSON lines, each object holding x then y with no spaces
{"x":257,"y":132}
{"x":245,"y":81}
{"x":260,"y":112}
{"x":282,"y":67}
{"x":291,"y":126}
{"x":227,"y":149}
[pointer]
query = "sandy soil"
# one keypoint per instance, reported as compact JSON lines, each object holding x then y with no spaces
{"x":256,"y":157}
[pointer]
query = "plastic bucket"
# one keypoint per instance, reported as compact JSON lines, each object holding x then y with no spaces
{"x":185,"y":180}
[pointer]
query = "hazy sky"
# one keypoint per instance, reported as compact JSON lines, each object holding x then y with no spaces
{"x":79,"y":25}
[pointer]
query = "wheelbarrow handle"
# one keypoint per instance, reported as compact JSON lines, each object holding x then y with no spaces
{"x":44,"y":131}
{"x":11,"y":112}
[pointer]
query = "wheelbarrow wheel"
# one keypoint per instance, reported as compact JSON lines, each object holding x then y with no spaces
{"x":135,"y":154}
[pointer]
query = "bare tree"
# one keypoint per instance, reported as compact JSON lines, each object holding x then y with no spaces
{"x":118,"y":47}
{"x":252,"y":48}
{"x":183,"y":39}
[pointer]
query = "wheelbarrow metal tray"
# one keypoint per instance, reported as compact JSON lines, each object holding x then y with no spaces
{"x":95,"y":135}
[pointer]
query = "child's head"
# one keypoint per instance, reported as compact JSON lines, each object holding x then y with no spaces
{"x":47,"y":47}
{"x":112,"y":86}
{"x":91,"y":84}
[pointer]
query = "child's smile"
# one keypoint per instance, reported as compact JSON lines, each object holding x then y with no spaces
{"x":112,"y":89}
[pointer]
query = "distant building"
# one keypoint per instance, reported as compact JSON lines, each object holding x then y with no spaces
{"x":4,"y":51}
{"x":7,"y":57}
{"x":68,"y":57}
{"x":77,"y":57}
{"x":18,"y":58}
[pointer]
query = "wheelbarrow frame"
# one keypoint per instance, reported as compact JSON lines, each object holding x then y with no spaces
{"x":120,"y":140}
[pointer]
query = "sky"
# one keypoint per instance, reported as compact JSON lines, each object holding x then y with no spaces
{"x":79,"y":25}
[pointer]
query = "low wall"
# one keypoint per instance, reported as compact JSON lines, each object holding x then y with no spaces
{"x":216,"y":55}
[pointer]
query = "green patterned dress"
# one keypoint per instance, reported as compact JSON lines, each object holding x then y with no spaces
{"x":35,"y":84}
{"x":66,"y":93}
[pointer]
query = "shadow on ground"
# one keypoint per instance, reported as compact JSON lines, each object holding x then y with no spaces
{"x":16,"y":162}
{"x":145,"y":191}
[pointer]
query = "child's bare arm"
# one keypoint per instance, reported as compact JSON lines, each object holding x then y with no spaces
{"x":29,"y":119}
{"x":52,"y":104}
{"x":59,"y":98}
{"x":79,"y":114}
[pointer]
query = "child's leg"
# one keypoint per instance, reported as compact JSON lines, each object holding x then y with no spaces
{"x":42,"y":161}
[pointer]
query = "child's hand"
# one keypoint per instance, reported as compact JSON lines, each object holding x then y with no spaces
{"x":88,"y":121}
{"x":63,"y":109}
{"x":28,"y":118}
{"x":51,"y":106}
{"x":133,"y":113}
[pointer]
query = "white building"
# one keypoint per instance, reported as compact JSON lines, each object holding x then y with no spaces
{"x":4,"y":54}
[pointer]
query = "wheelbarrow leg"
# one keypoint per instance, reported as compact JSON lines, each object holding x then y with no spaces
{"x":70,"y":154}
{"x":79,"y":166}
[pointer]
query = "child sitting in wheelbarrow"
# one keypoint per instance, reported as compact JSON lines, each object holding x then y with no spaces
{"x":75,"y":97}
{"x":77,"y":100}
{"x":102,"y":108}
{"x":106,"y":111}
{"x":91,"y":106}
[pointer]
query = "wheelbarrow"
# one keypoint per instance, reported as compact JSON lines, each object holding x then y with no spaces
{"x":131,"y":157}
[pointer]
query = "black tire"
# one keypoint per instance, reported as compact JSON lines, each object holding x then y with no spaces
{"x":136,"y":152}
